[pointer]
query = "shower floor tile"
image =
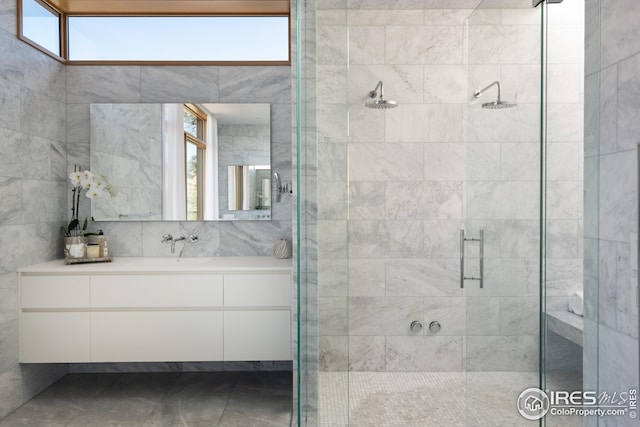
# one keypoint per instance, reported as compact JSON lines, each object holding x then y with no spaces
{"x":431,"y":399}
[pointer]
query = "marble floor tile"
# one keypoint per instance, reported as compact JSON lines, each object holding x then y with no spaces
{"x":192,"y":399}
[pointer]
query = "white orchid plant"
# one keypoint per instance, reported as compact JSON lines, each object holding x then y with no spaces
{"x":94,"y":186}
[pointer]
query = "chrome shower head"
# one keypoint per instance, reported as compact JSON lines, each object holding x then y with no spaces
{"x":378,"y":102}
{"x":498,"y":104}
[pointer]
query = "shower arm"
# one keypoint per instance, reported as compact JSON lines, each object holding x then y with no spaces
{"x":374,"y":92}
{"x":479,"y":92}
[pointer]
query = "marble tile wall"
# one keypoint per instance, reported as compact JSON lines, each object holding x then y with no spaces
{"x":33,"y":173}
{"x":395,"y":186}
{"x":612,"y":87}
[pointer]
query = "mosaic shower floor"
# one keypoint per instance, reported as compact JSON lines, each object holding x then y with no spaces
{"x":432,"y":399}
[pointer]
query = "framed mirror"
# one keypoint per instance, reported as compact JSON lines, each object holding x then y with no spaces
{"x":182,"y":161}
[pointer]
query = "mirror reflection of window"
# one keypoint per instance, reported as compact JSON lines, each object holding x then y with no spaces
{"x":195,"y":122}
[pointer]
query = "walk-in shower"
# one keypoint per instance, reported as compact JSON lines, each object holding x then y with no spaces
{"x":378,"y":102}
{"x":498,"y":104}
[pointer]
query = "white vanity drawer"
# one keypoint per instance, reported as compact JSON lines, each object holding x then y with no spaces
{"x":257,"y":335}
{"x":257,"y":290}
{"x":54,"y":291}
{"x":156,"y":291}
{"x":156,"y":336}
{"x":54,"y":337}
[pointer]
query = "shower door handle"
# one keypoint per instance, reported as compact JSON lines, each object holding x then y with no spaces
{"x":480,"y":240}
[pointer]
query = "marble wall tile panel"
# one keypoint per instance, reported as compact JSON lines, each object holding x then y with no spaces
{"x":384,"y":239}
{"x":426,"y":200}
{"x":592,"y":36}
{"x":445,"y":84}
{"x":332,"y":161}
{"x":333,"y":353}
{"x":10,"y":116}
{"x":415,"y":123}
{"x":332,"y":239}
{"x":628,"y":108}
{"x":42,"y":115}
{"x":423,"y":277}
{"x":8,"y":298}
{"x":42,"y":201}
{"x":565,"y":200}
{"x":87,"y":84}
{"x":413,"y":4}
{"x":564,"y":276}
{"x":423,"y":45}
{"x":332,"y":124}
{"x":385,"y":17}
{"x":506,"y":277}
{"x":446,"y":16}
{"x":521,"y":83}
{"x":332,"y":45}
{"x":367,"y":277}
{"x":402,"y":83}
{"x":333,"y":277}
{"x":606,"y":118}
{"x":442,"y":238}
{"x":505,"y":44}
{"x":367,"y":353}
{"x":563,"y":238}
{"x":445,"y":161}
{"x":252,"y":238}
{"x":367,"y":200}
{"x":424,"y":353}
{"x":365,"y":45}
{"x":329,"y":4}
{"x":498,"y":353}
{"x":8,"y":16}
{"x":519,"y":316}
{"x":567,"y":122}
{"x":608,"y":283}
{"x":450,"y":312}
{"x":332,"y":316}
{"x":8,"y":345}
{"x":255,"y":84}
{"x":565,"y":84}
{"x":483,"y":316}
{"x":331,"y":83}
{"x":502,"y":200}
{"x":507,"y":125}
{"x":483,"y":162}
{"x":11,"y":195}
{"x":565,"y":49}
{"x":331,"y":17}
{"x":521,"y":17}
{"x":521,"y":161}
{"x":175,"y":84}
{"x":485,"y":17}
{"x":619,"y":30}
{"x":383,"y":315}
{"x":385,"y":162}
{"x":365,"y":124}
{"x":618,"y":209}
{"x":11,"y":392}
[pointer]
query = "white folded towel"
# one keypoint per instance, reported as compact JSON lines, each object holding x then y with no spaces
{"x":576,"y":303}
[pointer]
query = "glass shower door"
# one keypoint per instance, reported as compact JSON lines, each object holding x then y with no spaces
{"x":501,"y":229}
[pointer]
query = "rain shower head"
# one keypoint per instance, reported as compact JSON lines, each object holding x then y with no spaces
{"x":378,"y":102}
{"x":498,"y":104}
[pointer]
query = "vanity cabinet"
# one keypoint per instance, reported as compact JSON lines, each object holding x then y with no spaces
{"x":112,"y":314}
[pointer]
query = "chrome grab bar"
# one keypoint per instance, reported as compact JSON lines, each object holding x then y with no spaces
{"x":480,"y":240}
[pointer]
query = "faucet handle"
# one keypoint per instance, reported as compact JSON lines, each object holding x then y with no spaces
{"x":193,"y":238}
{"x":167,"y":238}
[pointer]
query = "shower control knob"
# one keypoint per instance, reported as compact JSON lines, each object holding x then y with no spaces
{"x":416,"y":326}
{"x":435,"y":326}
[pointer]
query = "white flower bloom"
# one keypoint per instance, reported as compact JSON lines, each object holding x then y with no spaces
{"x":75,"y":178}
{"x":95,"y":192}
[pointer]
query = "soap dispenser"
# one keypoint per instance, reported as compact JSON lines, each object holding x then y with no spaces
{"x":101,"y":240}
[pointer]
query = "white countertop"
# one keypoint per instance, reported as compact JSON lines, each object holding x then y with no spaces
{"x":163,"y":264}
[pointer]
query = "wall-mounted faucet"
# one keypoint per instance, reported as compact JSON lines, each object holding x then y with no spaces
{"x":169,"y":238}
{"x":281,"y":187}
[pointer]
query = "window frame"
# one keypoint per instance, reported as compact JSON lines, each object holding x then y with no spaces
{"x":201,"y":146}
{"x":64,"y":37}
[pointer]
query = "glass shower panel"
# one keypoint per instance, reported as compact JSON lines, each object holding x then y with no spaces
{"x":502,"y":210}
{"x":562,"y":350}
